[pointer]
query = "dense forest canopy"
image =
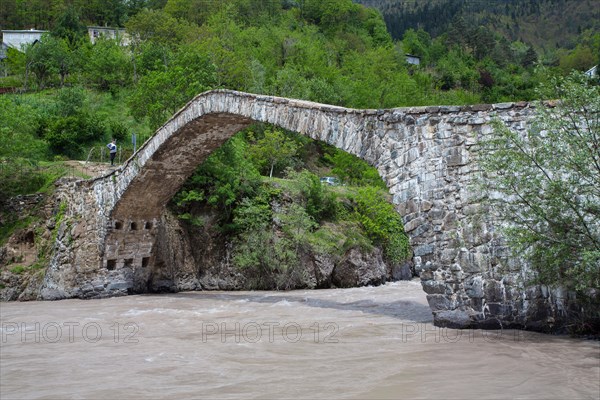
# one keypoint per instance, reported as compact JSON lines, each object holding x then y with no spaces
{"x":544,"y":23}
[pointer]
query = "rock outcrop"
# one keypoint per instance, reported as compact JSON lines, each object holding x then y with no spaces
{"x":204,"y":262}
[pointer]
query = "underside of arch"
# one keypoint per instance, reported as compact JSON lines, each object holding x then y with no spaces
{"x":173,"y":163}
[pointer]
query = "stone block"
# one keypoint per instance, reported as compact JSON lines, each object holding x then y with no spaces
{"x":456,"y":156}
{"x":455,"y":319}
{"x":503,"y":106}
{"x":426,"y":205}
{"x":438,"y":302}
{"x":434,"y":287}
{"x":423,"y":250}
{"x":402,"y":271}
{"x":493,"y":291}
{"x":474,"y":287}
{"x":448,"y":256}
{"x":450,"y":109}
{"x":481,"y":107}
{"x":436,"y":214}
{"x":413,"y":224}
{"x":119,"y":285}
{"x":498,"y":309}
{"x":421,"y":230}
{"x":477,"y":121}
{"x":450,"y":221}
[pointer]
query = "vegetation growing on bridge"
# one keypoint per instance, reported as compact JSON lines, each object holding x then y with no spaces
{"x":549,"y":185}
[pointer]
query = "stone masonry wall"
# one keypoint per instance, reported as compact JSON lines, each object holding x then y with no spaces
{"x":426,"y":155}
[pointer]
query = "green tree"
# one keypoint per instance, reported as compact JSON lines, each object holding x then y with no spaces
{"x":222,"y":181}
{"x":352,"y":170}
{"x":61,"y":57}
{"x":377,"y":79}
{"x":69,"y":28}
{"x":161,"y":30}
{"x":581,"y":59}
{"x":108,"y":67}
{"x":417,"y":43}
{"x":162,"y":92}
{"x":546,"y":184}
{"x":40,"y":61}
{"x":275,"y":149}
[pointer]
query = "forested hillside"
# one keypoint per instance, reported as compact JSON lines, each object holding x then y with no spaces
{"x":546,"y":24}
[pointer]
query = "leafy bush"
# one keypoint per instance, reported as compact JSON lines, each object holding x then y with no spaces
{"x":118,"y":130}
{"x":381,"y":222}
{"x":69,"y":135}
{"x":318,"y":199}
{"x":546,"y":181}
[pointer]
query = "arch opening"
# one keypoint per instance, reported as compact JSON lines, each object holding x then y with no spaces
{"x":277,"y":206}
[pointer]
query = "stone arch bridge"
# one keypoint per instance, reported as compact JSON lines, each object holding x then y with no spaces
{"x":426,"y":156}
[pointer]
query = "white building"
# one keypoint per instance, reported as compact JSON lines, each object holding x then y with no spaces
{"x":3,"y":56}
{"x":18,"y":39}
{"x":21,"y":38}
{"x":119,"y":34}
{"x":3,"y":49}
{"x":592,"y":72}
{"x":412,"y":59}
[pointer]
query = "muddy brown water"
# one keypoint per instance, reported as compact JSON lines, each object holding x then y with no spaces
{"x":362,"y":343}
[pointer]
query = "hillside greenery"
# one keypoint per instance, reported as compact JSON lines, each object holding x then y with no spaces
{"x":544,"y":24}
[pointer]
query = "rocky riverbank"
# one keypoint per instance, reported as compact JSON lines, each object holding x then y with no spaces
{"x":188,"y":257}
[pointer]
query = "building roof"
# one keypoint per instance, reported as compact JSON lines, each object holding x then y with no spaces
{"x":23,"y":31}
{"x":105,"y":28}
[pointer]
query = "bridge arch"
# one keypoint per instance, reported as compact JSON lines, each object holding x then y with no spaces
{"x":163,"y":164}
{"x":427,"y":156}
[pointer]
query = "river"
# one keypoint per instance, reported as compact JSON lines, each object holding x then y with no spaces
{"x":361,"y":343}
